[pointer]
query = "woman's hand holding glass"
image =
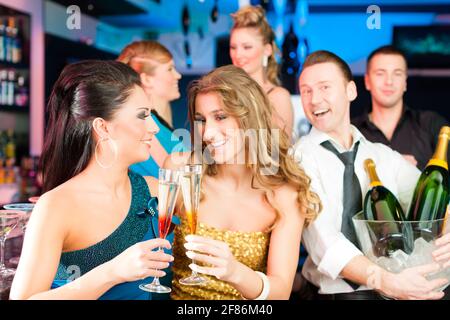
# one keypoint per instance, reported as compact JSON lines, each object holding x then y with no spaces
{"x":216,"y":255}
{"x":140,"y":261}
{"x":191,"y":176}
{"x":167,"y":196}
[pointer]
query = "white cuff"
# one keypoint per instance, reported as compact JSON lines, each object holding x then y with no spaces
{"x":337,"y":257}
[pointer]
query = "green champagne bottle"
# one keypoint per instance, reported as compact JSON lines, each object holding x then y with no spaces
{"x":431,"y":195}
{"x":381,"y":205}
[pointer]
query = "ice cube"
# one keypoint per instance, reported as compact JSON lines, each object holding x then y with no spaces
{"x":400,"y":256}
{"x":393,"y":264}
{"x":421,"y":254}
{"x":422,"y":247}
{"x":384,"y":262}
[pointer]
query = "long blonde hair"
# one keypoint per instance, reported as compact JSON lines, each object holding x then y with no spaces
{"x":142,"y":55}
{"x":246,"y":101}
{"x":255,"y":17}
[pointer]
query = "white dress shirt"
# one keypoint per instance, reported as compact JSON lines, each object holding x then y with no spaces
{"x":329,"y":250}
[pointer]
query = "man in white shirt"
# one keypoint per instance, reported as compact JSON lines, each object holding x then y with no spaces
{"x":335,"y":266}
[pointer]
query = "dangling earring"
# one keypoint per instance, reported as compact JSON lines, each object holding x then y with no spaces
{"x":112,"y":145}
{"x":265,"y":61}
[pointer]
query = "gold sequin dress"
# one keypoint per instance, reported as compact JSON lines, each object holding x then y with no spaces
{"x":250,"y":248}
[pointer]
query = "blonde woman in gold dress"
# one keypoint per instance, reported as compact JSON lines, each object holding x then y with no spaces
{"x":249,"y":222}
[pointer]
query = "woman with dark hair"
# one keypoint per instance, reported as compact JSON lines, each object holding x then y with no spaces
{"x":85,"y":237}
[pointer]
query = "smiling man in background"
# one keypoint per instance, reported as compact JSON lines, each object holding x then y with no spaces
{"x":411,"y":132}
{"x":332,"y":155}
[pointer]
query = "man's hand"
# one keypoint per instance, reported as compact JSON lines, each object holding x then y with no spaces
{"x":442,"y":253}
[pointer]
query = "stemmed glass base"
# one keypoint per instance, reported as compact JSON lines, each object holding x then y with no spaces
{"x":193,"y":280}
{"x":155,"y":287}
{"x":7,"y":272}
{"x":4,"y":271}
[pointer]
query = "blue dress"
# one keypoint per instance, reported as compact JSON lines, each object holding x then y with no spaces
{"x":140,"y":224}
{"x":169,"y":141}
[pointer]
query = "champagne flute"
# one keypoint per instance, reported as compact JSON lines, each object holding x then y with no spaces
{"x":26,"y":208}
{"x":167,"y":197}
{"x":8,"y":221}
{"x":190,"y":181}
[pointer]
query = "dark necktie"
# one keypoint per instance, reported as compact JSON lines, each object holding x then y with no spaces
{"x":352,"y":202}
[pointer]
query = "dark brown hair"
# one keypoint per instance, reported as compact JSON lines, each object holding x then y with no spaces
{"x":84,"y":91}
{"x":323,"y":56}
{"x":389,"y":49}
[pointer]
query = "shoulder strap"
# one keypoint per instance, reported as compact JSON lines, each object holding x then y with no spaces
{"x":140,"y":189}
{"x":160,"y":119}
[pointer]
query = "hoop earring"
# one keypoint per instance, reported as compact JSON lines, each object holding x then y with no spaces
{"x":265,"y":61}
{"x":113,"y":147}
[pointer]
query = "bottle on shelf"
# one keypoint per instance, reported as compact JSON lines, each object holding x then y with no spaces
{"x":17,"y":43}
{"x":3,"y":141}
{"x":10,"y":173}
{"x":2,"y":40}
{"x":380,"y":204}
{"x":11,"y":87}
{"x":10,"y":35}
{"x":2,"y":156}
{"x":10,"y":149}
{"x":2,"y":172}
{"x":28,"y":186}
{"x":3,"y":87}
{"x":431,"y":195}
{"x":21,"y":95}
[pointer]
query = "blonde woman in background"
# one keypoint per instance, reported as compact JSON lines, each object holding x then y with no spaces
{"x":159,"y":78}
{"x":253,"y":48}
{"x":250,"y":223}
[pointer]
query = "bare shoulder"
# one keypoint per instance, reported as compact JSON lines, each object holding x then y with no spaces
{"x":286,"y":198}
{"x":281,"y":101}
{"x":55,"y":208}
{"x":286,"y":194}
{"x":54,"y":200}
{"x":152,"y":183}
{"x":176,"y":160}
{"x":280,"y":93}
